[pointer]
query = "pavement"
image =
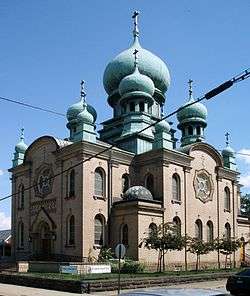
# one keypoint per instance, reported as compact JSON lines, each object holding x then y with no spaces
{"x":11,"y":290}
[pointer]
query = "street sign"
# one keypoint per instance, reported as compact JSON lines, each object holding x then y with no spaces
{"x":120,"y":251}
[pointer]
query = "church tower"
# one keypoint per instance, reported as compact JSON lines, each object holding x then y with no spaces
{"x":192,"y":120}
{"x":136,"y":81}
{"x":228,"y":155}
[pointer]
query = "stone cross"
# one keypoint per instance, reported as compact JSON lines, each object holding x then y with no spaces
{"x":135,"y":18}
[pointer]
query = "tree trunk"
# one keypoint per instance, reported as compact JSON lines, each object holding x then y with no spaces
{"x":197,"y":259}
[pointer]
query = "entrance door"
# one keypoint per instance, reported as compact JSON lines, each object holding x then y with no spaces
{"x":45,"y":241}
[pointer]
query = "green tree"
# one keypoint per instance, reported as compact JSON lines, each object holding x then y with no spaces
{"x":227,"y":246}
{"x":199,"y":247}
{"x":164,"y":238}
{"x":245,"y":204}
{"x":105,"y":254}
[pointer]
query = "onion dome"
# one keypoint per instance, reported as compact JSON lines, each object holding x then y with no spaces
{"x":137,"y":192}
{"x":196,"y":112}
{"x":21,"y":147}
{"x":136,"y":83}
{"x":162,"y":126}
{"x":74,"y":110}
{"x":85,"y":116}
{"x":123,"y":65}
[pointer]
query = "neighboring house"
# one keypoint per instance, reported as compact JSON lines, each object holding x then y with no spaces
{"x":5,"y":243}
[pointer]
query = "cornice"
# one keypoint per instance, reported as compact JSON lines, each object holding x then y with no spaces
{"x":223,"y":173}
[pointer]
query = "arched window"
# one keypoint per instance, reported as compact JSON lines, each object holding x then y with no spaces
{"x":176,"y":187}
{"x":227,"y":199}
{"x":21,"y":197}
{"x":132,"y":106}
{"x":190,"y":130}
{"x":198,"y":130}
{"x":227,"y":231}
{"x":20,"y":235}
{"x":124,"y":234}
{"x":152,"y":229}
{"x":198,"y":229}
{"x":210,"y":231}
{"x":99,"y":230}
{"x":99,"y":182}
{"x":71,"y":230}
{"x":177,"y":223}
{"x":141,"y":106}
{"x":125,"y":182}
{"x":72,"y":183}
{"x":149,"y":183}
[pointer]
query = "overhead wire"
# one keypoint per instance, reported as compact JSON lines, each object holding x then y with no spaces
{"x":214,"y":92}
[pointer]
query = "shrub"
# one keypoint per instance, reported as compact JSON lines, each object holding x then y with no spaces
{"x":132,"y":267}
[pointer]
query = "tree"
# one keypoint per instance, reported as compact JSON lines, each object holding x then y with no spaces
{"x":245,"y":204}
{"x":164,"y":238}
{"x":227,"y":246}
{"x":199,"y":247}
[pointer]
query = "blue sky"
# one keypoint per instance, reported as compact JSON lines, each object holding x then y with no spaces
{"x":48,"y":46}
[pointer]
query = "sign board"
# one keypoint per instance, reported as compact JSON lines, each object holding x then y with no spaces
{"x":120,"y":251}
{"x":72,"y":269}
{"x":99,"y":269}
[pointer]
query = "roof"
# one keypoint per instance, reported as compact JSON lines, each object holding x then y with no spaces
{"x":5,"y":234}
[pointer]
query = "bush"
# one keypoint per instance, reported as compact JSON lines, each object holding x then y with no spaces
{"x":132,"y":267}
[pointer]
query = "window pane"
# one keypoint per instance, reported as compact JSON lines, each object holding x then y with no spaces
{"x":98,"y":232}
{"x":99,"y":183}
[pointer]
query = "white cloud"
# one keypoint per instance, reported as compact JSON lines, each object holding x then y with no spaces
{"x":245,"y":181}
{"x":244,"y":155}
{"x":1,"y":172}
{"x":4,"y":221}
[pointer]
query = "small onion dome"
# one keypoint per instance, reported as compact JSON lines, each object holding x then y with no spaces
{"x":77,"y":108}
{"x":162,"y":126}
{"x":21,"y":147}
{"x":228,"y":151}
{"x":137,"y":192}
{"x":85,"y":116}
{"x":136,"y":83}
{"x":123,"y":64}
{"x":196,"y":112}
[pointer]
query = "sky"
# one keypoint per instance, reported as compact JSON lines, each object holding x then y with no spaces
{"x":47,"y":47}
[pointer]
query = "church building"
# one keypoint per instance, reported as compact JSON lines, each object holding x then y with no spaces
{"x":95,"y":189}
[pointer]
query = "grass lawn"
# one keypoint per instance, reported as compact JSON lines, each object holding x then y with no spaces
{"x":108,"y":276}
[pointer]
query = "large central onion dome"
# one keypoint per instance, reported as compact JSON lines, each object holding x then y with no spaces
{"x":123,"y":65}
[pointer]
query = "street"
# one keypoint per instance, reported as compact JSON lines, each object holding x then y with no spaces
{"x":11,"y":290}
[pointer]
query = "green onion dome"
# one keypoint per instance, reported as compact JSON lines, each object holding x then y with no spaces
{"x":137,"y":192}
{"x":195,"y":112}
{"x":77,"y":108}
{"x":136,"y":83}
{"x":123,"y":65}
{"x":162,"y":126}
{"x":228,"y":151}
{"x":21,"y":147}
{"x":85,"y":116}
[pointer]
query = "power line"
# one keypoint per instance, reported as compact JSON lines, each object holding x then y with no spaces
{"x":214,"y":92}
{"x":31,"y":106}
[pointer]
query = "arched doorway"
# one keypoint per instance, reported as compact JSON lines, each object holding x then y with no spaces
{"x":45,"y":239}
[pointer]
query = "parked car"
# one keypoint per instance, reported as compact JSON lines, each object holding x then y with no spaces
{"x":175,"y":292}
{"x":239,"y":283}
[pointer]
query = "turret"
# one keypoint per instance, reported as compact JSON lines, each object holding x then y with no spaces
{"x":20,"y":149}
{"x":228,"y":155}
{"x":192,"y":120}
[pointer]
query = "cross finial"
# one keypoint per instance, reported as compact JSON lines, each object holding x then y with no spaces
{"x":22,"y":134}
{"x":82,"y":91}
{"x":136,"y":57}
{"x":135,"y":18}
{"x":227,"y":138}
{"x":190,"y":83}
